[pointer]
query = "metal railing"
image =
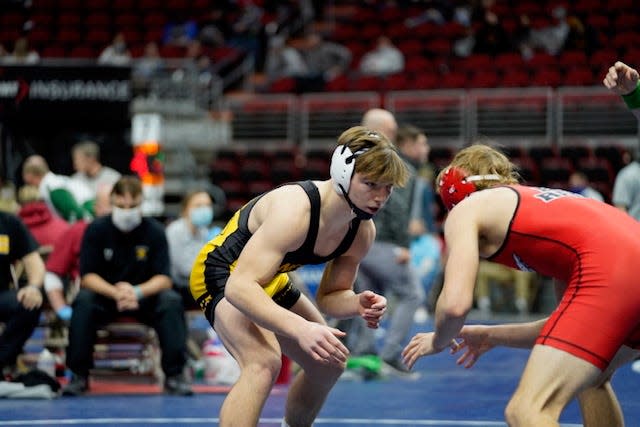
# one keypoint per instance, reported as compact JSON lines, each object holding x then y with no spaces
{"x":522,"y":116}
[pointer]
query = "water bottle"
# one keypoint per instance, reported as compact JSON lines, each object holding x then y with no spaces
{"x":47,"y":362}
{"x":213,"y":359}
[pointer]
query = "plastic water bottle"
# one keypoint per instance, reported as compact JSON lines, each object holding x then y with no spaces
{"x":213,"y":360}
{"x":47,"y":363}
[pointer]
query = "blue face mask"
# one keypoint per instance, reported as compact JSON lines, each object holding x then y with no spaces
{"x":201,"y":216}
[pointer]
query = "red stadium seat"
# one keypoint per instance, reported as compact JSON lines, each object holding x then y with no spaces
{"x":515,"y":78}
{"x":580,"y":77}
{"x":555,"y":170}
{"x":546,"y":77}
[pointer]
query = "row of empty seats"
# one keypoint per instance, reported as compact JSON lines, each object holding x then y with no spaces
{"x":243,"y":173}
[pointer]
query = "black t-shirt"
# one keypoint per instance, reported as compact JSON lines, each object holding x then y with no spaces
{"x":15,"y":242}
{"x":132,"y":257}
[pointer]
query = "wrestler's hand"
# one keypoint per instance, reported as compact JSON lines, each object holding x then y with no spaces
{"x":322,"y":344}
{"x":621,"y":78}
{"x":372,"y":308}
{"x":420,"y":345}
{"x":474,"y":343}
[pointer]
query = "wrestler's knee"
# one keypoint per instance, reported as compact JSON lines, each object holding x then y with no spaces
{"x":518,"y":411}
{"x":264,"y":370}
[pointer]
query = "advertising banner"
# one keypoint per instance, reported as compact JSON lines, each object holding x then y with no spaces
{"x":64,"y":93}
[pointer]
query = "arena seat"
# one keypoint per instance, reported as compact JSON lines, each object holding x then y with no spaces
{"x":576,"y":153}
{"x":555,"y":169}
{"x":596,"y":170}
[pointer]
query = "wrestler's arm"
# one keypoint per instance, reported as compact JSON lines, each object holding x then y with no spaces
{"x":282,"y":228}
{"x":475,"y":340}
{"x":335,"y":296}
{"x":456,"y":298}
{"x":624,"y":80}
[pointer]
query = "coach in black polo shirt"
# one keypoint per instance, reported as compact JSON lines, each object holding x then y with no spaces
{"x":124,"y":264}
{"x":19,"y":309}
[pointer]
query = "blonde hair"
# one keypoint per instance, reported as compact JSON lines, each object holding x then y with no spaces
{"x":35,"y":165}
{"x":481,"y":159}
{"x":381,"y":162}
{"x":28,"y":194}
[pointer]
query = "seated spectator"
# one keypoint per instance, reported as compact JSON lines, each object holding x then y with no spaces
{"x":491,"y":38}
{"x":90,"y":172}
{"x":69,"y":199}
{"x":19,"y":309}
{"x":248,"y":30}
{"x":125,"y":269}
{"x":63,"y":263}
{"x":284,"y":59}
{"x":148,"y":66}
{"x":325,"y":58}
{"x":45,"y":227}
{"x":551,"y":38}
{"x":579,"y":183}
{"x":523,"y":283}
{"x":117,"y":53}
{"x":186,"y":236}
{"x":384,"y":59}
{"x":196,"y":65}
{"x":22,"y":54}
{"x":214,"y":28}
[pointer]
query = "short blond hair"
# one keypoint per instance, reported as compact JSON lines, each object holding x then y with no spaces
{"x":381,"y":162}
{"x":481,"y":159}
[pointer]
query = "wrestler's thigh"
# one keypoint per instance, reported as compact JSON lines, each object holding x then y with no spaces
{"x":553,"y":377}
{"x":246,"y":341}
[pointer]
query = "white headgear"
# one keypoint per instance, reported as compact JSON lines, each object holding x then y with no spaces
{"x":343,"y":165}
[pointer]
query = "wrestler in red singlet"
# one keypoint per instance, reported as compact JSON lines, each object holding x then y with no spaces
{"x":593,"y":248}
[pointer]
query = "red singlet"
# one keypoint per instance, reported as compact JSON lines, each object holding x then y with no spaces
{"x":591,"y":246}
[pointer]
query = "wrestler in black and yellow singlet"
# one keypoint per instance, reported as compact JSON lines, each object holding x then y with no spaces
{"x":218,"y":257}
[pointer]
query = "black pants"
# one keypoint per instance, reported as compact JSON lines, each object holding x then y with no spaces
{"x":19,"y":325}
{"x":163,"y":312}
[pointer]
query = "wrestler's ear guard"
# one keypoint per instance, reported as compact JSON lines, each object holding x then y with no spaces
{"x":343,"y":165}
{"x":454,"y":185}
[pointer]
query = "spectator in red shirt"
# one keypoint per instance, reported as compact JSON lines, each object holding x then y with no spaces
{"x":41,"y":222}
{"x":64,"y":260}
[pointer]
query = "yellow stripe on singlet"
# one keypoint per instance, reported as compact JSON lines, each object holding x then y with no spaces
{"x":197,"y":282}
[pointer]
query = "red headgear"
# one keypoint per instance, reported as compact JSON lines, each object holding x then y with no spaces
{"x":455,"y":185}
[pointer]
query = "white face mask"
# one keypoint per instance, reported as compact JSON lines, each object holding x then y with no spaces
{"x":126,"y":220}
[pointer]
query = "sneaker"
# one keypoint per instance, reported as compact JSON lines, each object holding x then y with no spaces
{"x":177,"y":386}
{"x":395,"y":368}
{"x":421,"y":315}
{"x":77,"y":386}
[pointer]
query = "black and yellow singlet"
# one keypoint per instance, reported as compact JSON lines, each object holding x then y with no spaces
{"x":218,"y":257}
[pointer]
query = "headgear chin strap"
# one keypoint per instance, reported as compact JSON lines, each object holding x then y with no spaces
{"x":343,"y":166}
{"x":455,"y":185}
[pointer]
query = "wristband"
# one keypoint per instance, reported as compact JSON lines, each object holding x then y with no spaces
{"x":138,"y":292}
{"x":633,"y":99}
